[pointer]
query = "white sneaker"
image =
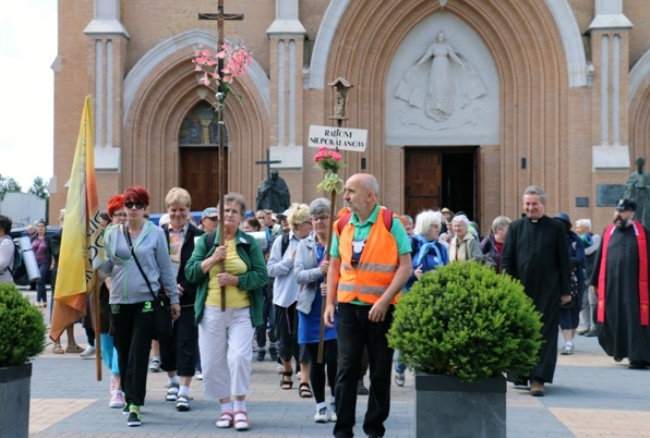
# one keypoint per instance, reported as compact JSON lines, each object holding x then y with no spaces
{"x":89,"y":351}
{"x":321,"y":415}
{"x":117,"y":399}
{"x":154,"y":365}
{"x":400,"y":379}
{"x":567,"y":349}
{"x":332,"y":413}
{"x":198,"y":375}
{"x":172,"y":392}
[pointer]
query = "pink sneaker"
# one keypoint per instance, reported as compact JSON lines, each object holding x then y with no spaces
{"x":117,"y":399}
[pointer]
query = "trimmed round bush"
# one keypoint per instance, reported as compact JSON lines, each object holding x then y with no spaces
{"x":465,"y":320}
{"x":22,"y":330}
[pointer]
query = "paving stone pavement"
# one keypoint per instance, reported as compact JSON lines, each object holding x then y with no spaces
{"x":592,"y":396}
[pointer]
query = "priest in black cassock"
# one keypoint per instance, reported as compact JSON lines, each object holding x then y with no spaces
{"x":620,"y":280}
{"x":536,"y":252}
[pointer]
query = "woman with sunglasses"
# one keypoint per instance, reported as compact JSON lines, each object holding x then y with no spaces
{"x":310,"y":269}
{"x":226,"y":336}
{"x":132,"y":314}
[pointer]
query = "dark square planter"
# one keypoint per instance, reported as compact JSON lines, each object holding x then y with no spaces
{"x":14,"y":400}
{"x":449,"y":407}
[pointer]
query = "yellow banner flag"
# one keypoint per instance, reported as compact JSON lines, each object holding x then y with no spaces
{"x":81,"y":241}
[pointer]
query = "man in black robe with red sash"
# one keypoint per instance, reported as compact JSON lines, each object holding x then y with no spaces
{"x":536,"y":252}
{"x":620,"y":280}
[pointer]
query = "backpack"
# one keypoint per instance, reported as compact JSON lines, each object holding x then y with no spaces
{"x":387,"y":215}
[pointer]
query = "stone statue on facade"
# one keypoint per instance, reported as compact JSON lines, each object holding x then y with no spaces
{"x":440,"y":81}
{"x":637,"y":187}
{"x":273,"y":194}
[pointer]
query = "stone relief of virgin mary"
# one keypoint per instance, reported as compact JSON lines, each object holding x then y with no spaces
{"x":440,"y":82}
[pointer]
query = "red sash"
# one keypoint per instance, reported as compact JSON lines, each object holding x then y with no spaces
{"x":643,"y":273}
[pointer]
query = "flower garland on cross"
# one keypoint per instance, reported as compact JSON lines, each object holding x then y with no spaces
{"x":330,"y":162}
{"x":236,"y":58}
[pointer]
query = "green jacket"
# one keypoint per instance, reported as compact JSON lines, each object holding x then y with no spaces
{"x":252,"y":281}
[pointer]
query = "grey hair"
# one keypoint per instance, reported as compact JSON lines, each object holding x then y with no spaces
{"x":536,"y":190}
{"x":585,"y":223}
{"x":425,"y":219}
{"x":500,"y":222}
{"x":461,"y":218}
{"x":408,"y":219}
{"x":319,"y":205}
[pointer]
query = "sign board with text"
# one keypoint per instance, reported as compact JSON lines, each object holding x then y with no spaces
{"x":342,"y":138}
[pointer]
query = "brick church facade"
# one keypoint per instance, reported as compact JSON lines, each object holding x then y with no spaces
{"x":465,"y":102}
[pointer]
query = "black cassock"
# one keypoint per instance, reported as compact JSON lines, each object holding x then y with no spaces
{"x":621,"y":335}
{"x":537,"y":254}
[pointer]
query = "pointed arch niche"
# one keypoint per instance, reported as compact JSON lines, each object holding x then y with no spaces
{"x":160,"y":92}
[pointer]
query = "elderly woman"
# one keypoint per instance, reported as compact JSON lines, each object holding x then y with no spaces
{"x":178,"y":353}
{"x":492,"y":245}
{"x":209,"y":219}
{"x":464,"y":246}
{"x":426,"y":255}
{"x":285,"y":297}
{"x":310,"y":269}
{"x":138,"y":241}
{"x":226,"y":336}
{"x":6,"y":250}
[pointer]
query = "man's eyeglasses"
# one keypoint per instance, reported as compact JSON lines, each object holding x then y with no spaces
{"x":319,"y":218}
{"x":138,"y":205}
{"x":120,"y":214}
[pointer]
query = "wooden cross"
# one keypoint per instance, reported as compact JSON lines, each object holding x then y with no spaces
{"x":220,"y":17}
{"x":268,"y":163}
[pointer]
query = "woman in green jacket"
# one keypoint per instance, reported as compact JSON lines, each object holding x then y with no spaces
{"x":226,"y":337}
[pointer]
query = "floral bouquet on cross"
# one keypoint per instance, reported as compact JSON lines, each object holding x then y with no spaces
{"x":236,"y":58}
{"x":330,"y":162}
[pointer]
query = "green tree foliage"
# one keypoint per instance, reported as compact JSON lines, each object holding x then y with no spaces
{"x":22,"y":330}
{"x":39,"y":188}
{"x":465,"y":320}
{"x":8,"y":185}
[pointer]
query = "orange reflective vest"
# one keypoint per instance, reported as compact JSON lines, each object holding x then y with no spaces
{"x":376,"y":268}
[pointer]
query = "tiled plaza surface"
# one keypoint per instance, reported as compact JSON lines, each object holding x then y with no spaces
{"x":592,"y":396}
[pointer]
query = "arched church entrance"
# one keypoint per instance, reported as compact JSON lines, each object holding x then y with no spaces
{"x":437,"y":177}
{"x":198,"y":141}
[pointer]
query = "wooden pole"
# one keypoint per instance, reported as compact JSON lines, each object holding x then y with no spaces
{"x":222,"y":177}
{"x":323,"y":304}
{"x":98,"y":343}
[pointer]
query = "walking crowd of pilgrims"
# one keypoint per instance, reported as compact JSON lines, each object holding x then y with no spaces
{"x":277,"y":273}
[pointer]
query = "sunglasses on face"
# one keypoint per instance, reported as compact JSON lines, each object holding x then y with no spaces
{"x":138,"y":205}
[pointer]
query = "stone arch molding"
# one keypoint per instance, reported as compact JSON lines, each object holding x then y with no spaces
{"x":185,"y":41}
{"x":560,"y":10}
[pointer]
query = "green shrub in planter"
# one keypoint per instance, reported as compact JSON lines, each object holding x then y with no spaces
{"x":22,"y":330}
{"x":465,"y":320}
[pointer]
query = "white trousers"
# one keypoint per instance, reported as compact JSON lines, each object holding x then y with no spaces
{"x":226,"y":345}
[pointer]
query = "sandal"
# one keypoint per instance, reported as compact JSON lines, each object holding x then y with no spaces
{"x":225,"y":421}
{"x":305,"y":390}
{"x":57,"y":349}
{"x":286,"y":384}
{"x":241,"y":420}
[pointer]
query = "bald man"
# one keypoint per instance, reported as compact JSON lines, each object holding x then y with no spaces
{"x":370,"y":262}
